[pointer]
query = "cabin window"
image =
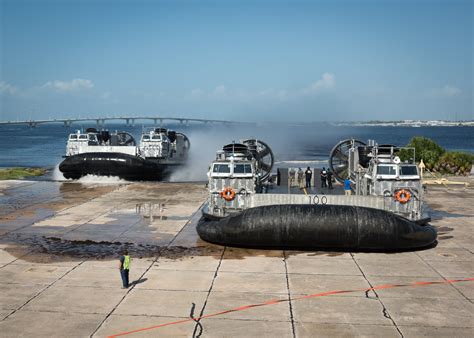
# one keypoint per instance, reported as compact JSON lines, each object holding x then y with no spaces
{"x":82,"y":137}
{"x":156,"y":137}
{"x":93,"y":140}
{"x":408,"y":170}
{"x":387,"y":170}
{"x":145,"y":137}
{"x":73,"y":137}
{"x":242,"y":169}
{"x":221,"y":168}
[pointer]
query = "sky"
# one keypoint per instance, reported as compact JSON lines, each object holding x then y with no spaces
{"x":298,"y":61}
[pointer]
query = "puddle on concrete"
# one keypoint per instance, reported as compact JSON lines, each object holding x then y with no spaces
{"x":156,"y":211}
{"x":34,"y":214}
{"x":31,"y":200}
{"x":151,"y":211}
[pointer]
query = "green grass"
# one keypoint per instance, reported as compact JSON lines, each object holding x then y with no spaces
{"x":19,"y":173}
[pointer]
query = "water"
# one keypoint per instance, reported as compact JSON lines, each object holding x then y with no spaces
{"x":45,"y":145}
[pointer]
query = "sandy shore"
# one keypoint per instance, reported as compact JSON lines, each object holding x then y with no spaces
{"x":59,"y":243}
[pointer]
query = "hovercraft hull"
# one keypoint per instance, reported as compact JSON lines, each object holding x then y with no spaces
{"x":122,"y":165}
{"x":317,"y":226}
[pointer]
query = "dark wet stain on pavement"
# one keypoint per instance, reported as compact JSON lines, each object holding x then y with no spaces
{"x":40,"y":248}
{"x":444,"y":229}
{"x":436,"y":213}
{"x":322,"y":253}
{"x":444,"y":237}
{"x":44,"y":249}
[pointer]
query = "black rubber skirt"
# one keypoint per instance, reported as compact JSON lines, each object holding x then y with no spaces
{"x":125,"y":166}
{"x":317,"y":227}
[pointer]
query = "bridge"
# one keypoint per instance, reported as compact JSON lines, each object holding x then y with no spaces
{"x":129,"y":120}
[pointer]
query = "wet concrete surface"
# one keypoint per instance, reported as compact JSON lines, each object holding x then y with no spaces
{"x":59,"y":244}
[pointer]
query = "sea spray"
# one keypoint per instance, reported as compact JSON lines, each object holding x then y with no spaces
{"x":101,"y":179}
{"x":58,"y":176}
{"x":204,"y":144}
{"x":201,"y":153}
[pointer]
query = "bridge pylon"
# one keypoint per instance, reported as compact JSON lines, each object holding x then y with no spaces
{"x":100,"y":123}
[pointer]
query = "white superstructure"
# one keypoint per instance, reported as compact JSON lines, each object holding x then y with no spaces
{"x":92,"y":141}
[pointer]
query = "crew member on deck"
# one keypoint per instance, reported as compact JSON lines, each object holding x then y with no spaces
{"x":324,"y":177}
{"x":329,"y":179}
{"x":347,"y":187}
{"x":308,"y":173}
{"x":300,"y":174}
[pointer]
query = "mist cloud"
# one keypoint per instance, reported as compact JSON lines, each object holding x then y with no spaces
{"x":6,"y":88}
{"x":325,"y":83}
{"x":68,"y":86}
{"x":447,"y":91}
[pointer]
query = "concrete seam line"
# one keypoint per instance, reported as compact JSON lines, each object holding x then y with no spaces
{"x":124,"y":296}
{"x":276,"y":301}
{"x":207,"y":296}
{"x":148,"y":269}
{"x":455,"y":288}
{"x":131,"y":226}
{"x":184,"y":226}
{"x":293,"y":329}
{"x":93,"y":218}
{"x":13,"y":261}
{"x":61,"y":210}
{"x":384,"y":308}
{"x":43,"y":290}
{"x":39,"y":220}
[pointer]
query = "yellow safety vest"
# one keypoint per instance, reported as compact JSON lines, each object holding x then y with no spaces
{"x":126,"y":263}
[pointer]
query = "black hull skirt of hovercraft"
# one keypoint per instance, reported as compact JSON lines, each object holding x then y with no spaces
{"x":337,"y":227}
{"x":122,"y":165}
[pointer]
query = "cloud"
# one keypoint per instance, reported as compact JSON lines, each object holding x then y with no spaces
{"x":196,"y":92}
{"x":219,"y":91}
{"x":69,"y":86}
{"x":445,"y":92}
{"x":451,"y":91}
{"x":6,"y":88}
{"x":327,"y":81}
{"x":105,"y":95}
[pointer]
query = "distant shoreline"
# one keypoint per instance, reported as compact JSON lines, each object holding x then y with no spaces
{"x":405,"y":123}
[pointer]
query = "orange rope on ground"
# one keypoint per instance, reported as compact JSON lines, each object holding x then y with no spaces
{"x":276,"y":301}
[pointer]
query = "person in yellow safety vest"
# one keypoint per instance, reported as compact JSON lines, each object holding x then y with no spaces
{"x":124,"y":268}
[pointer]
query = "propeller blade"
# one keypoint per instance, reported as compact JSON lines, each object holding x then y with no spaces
{"x":263,"y":153}
{"x":339,"y":153}
{"x":266,"y":167}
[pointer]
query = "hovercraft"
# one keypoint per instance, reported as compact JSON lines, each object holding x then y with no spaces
{"x":245,"y":208}
{"x":117,"y":154}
